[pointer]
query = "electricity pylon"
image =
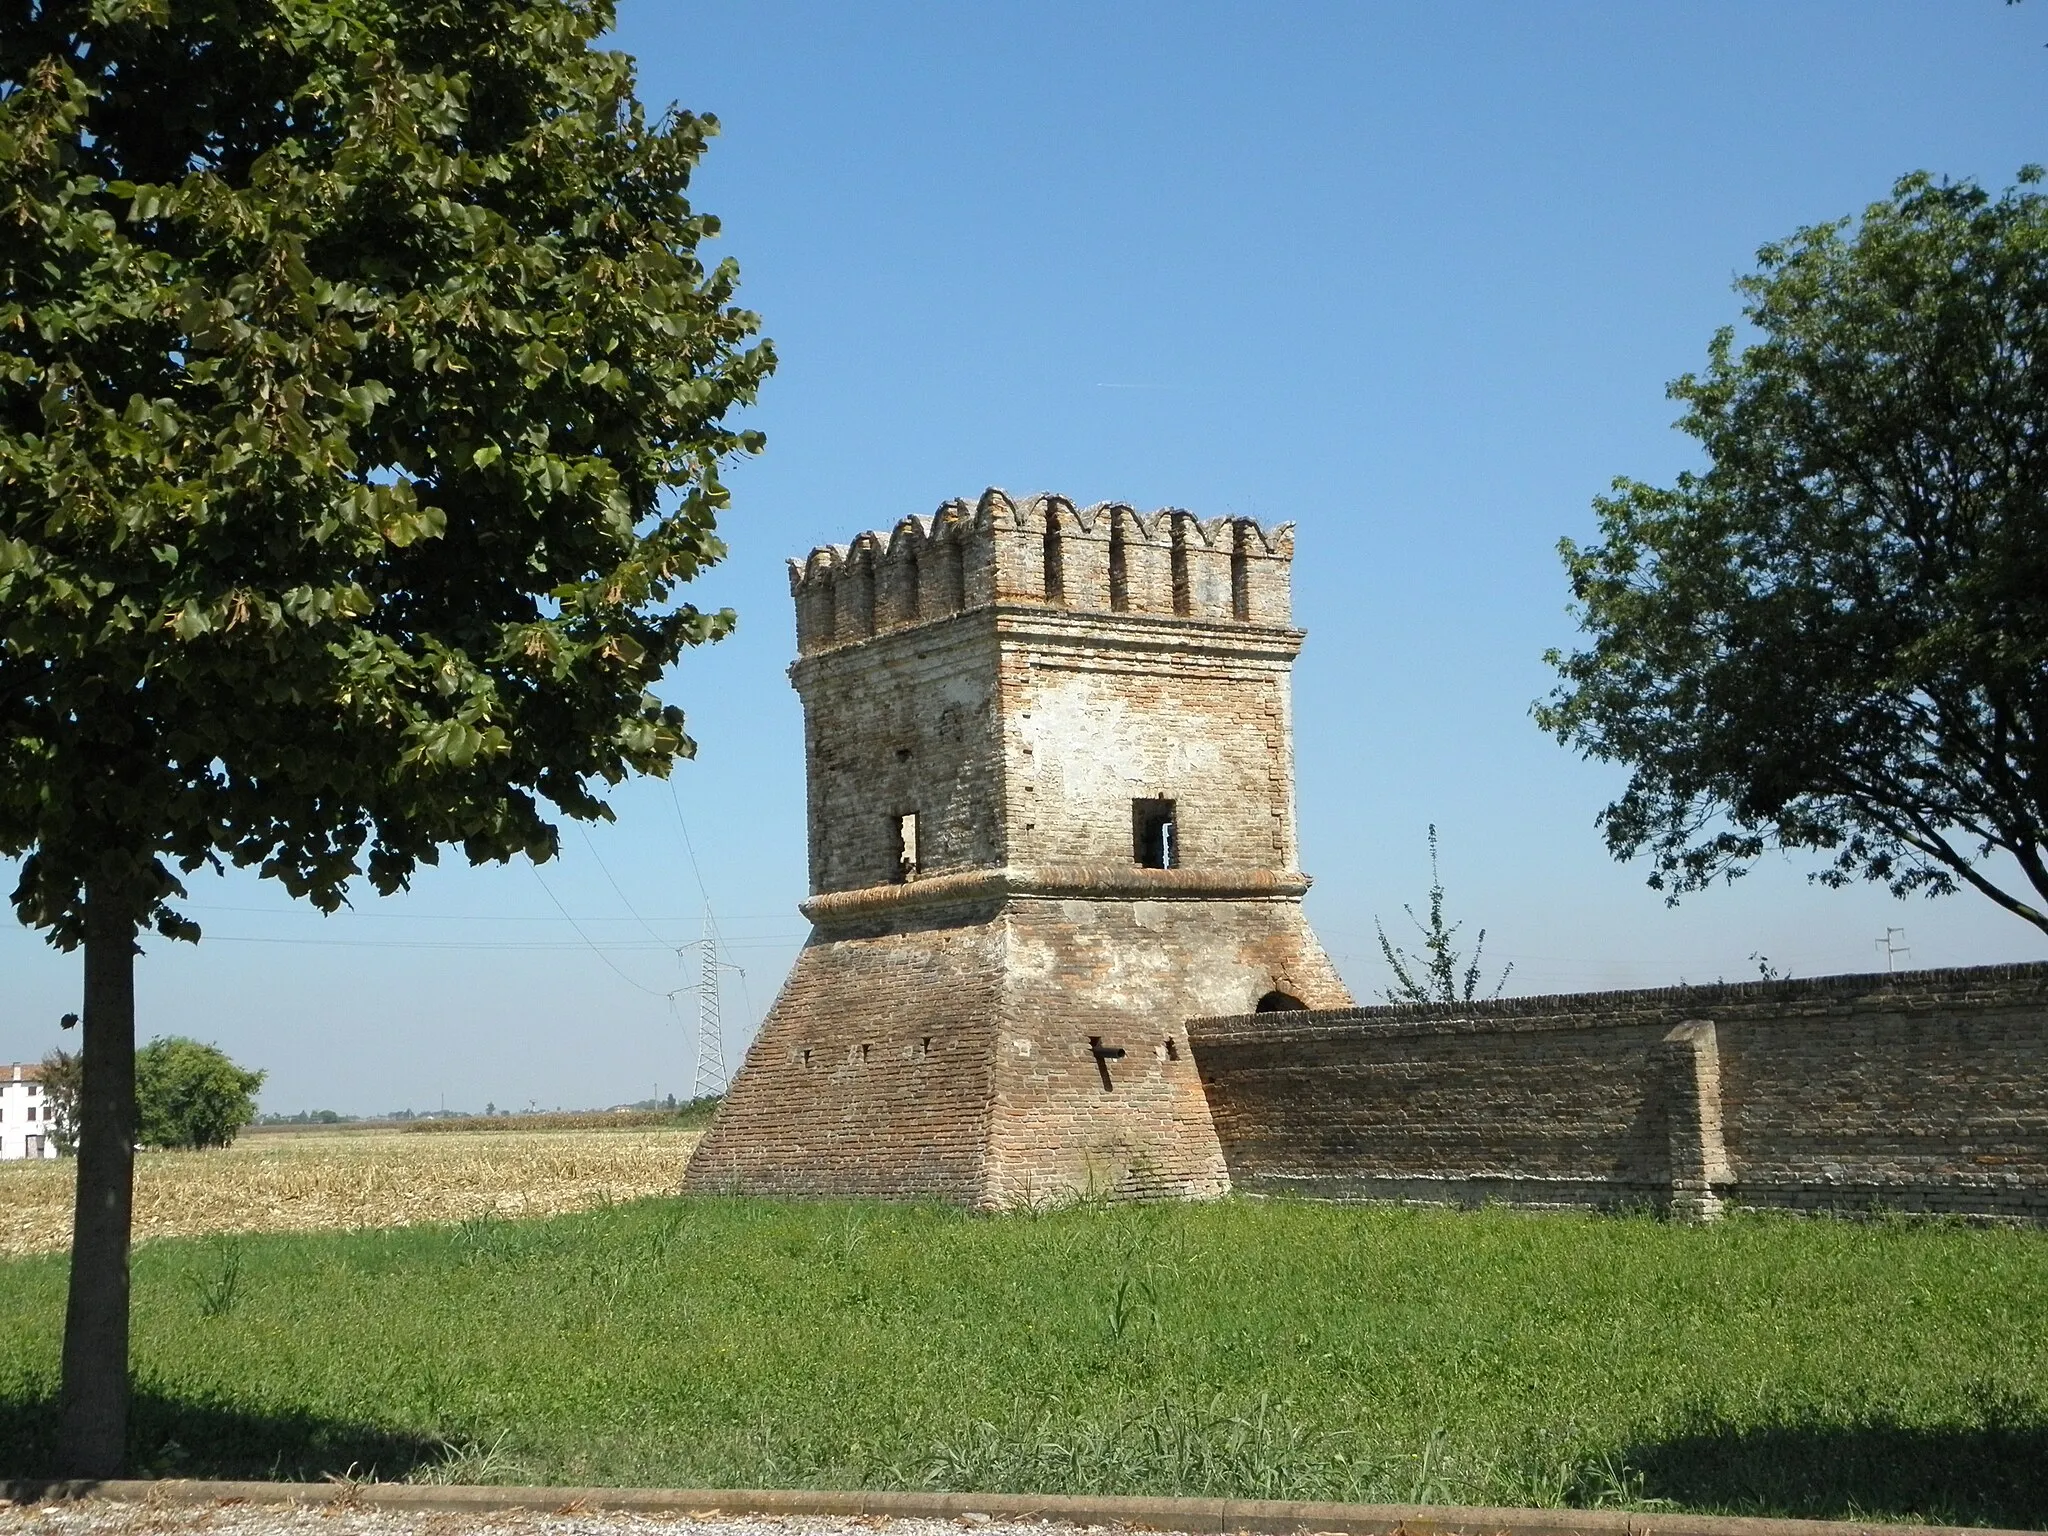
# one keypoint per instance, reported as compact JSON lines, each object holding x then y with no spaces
{"x":710,"y":1079}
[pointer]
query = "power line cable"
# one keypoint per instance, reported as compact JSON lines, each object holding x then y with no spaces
{"x":688,"y":847}
{"x":616,"y":888}
{"x":629,"y":946}
{"x":465,"y":917}
{"x":607,"y":959}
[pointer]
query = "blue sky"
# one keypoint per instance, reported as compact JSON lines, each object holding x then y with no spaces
{"x":1412,"y":277}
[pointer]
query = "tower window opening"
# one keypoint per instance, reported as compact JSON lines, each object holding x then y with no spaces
{"x":1183,"y":602}
{"x":1119,"y":572}
{"x":906,"y":846}
{"x":1055,"y":564}
{"x":1155,"y":834}
{"x":1240,"y":577}
{"x":1280,"y":1002}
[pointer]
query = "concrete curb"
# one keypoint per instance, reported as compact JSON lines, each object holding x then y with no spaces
{"x":1209,"y":1517}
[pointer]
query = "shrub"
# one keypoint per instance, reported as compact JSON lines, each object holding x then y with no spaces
{"x":191,"y":1095}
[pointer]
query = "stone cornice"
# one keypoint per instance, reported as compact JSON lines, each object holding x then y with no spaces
{"x":1032,"y":626}
{"x":1055,"y":882}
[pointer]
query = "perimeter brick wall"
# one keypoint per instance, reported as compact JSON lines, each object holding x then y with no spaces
{"x":1925,"y":1091}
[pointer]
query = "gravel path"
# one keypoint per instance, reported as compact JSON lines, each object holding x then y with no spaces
{"x":109,"y":1519}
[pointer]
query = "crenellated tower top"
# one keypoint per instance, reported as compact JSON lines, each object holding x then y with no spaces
{"x":1044,"y":551}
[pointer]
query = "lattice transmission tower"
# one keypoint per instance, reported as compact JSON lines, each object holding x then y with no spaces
{"x":710,"y":1080}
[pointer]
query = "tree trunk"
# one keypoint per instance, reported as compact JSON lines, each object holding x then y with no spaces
{"x":92,"y":1410}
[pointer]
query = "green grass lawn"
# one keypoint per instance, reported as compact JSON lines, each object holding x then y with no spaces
{"x":1804,"y":1367}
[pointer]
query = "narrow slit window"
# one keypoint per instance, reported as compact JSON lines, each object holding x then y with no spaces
{"x":1183,"y":601}
{"x":1119,"y":574}
{"x":1240,"y":577}
{"x":1055,"y":563}
{"x":906,"y":846}
{"x":1155,"y":834}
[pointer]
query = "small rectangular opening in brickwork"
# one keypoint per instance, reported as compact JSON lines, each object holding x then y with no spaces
{"x":1155,"y":834}
{"x":1119,"y":571}
{"x":1172,"y":1050}
{"x":906,"y":845}
{"x":1240,"y":577}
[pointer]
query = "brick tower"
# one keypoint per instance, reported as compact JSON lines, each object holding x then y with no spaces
{"x":1051,"y":803}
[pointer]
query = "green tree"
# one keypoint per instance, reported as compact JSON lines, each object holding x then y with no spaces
{"x":1434,"y":976}
{"x":62,"y":1077}
{"x":190,"y":1095}
{"x":363,"y":399}
{"x":1834,"y":637}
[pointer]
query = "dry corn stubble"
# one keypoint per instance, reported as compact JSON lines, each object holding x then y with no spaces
{"x":315,"y":1182}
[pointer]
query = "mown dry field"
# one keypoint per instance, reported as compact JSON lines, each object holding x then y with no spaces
{"x":315,"y":1181}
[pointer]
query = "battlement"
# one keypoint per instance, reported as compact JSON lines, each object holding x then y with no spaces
{"x":1108,"y":558}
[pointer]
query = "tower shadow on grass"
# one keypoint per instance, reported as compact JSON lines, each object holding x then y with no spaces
{"x":180,"y":1437}
{"x":1995,"y":1475}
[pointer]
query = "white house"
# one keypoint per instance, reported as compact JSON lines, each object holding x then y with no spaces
{"x":24,"y":1114}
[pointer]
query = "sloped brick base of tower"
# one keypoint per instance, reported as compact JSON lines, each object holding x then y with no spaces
{"x":964,"y":1040}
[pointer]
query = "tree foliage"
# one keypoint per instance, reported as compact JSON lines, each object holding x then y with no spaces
{"x":363,"y":398}
{"x":62,"y":1078}
{"x":189,"y":1095}
{"x":1440,"y":974}
{"x":1834,"y":637}
{"x":362,"y":403}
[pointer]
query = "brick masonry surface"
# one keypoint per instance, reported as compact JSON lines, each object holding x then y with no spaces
{"x":1922,"y":1091}
{"x":1003,"y":1023}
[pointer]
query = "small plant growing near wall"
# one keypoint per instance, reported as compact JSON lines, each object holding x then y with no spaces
{"x":1434,"y":975}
